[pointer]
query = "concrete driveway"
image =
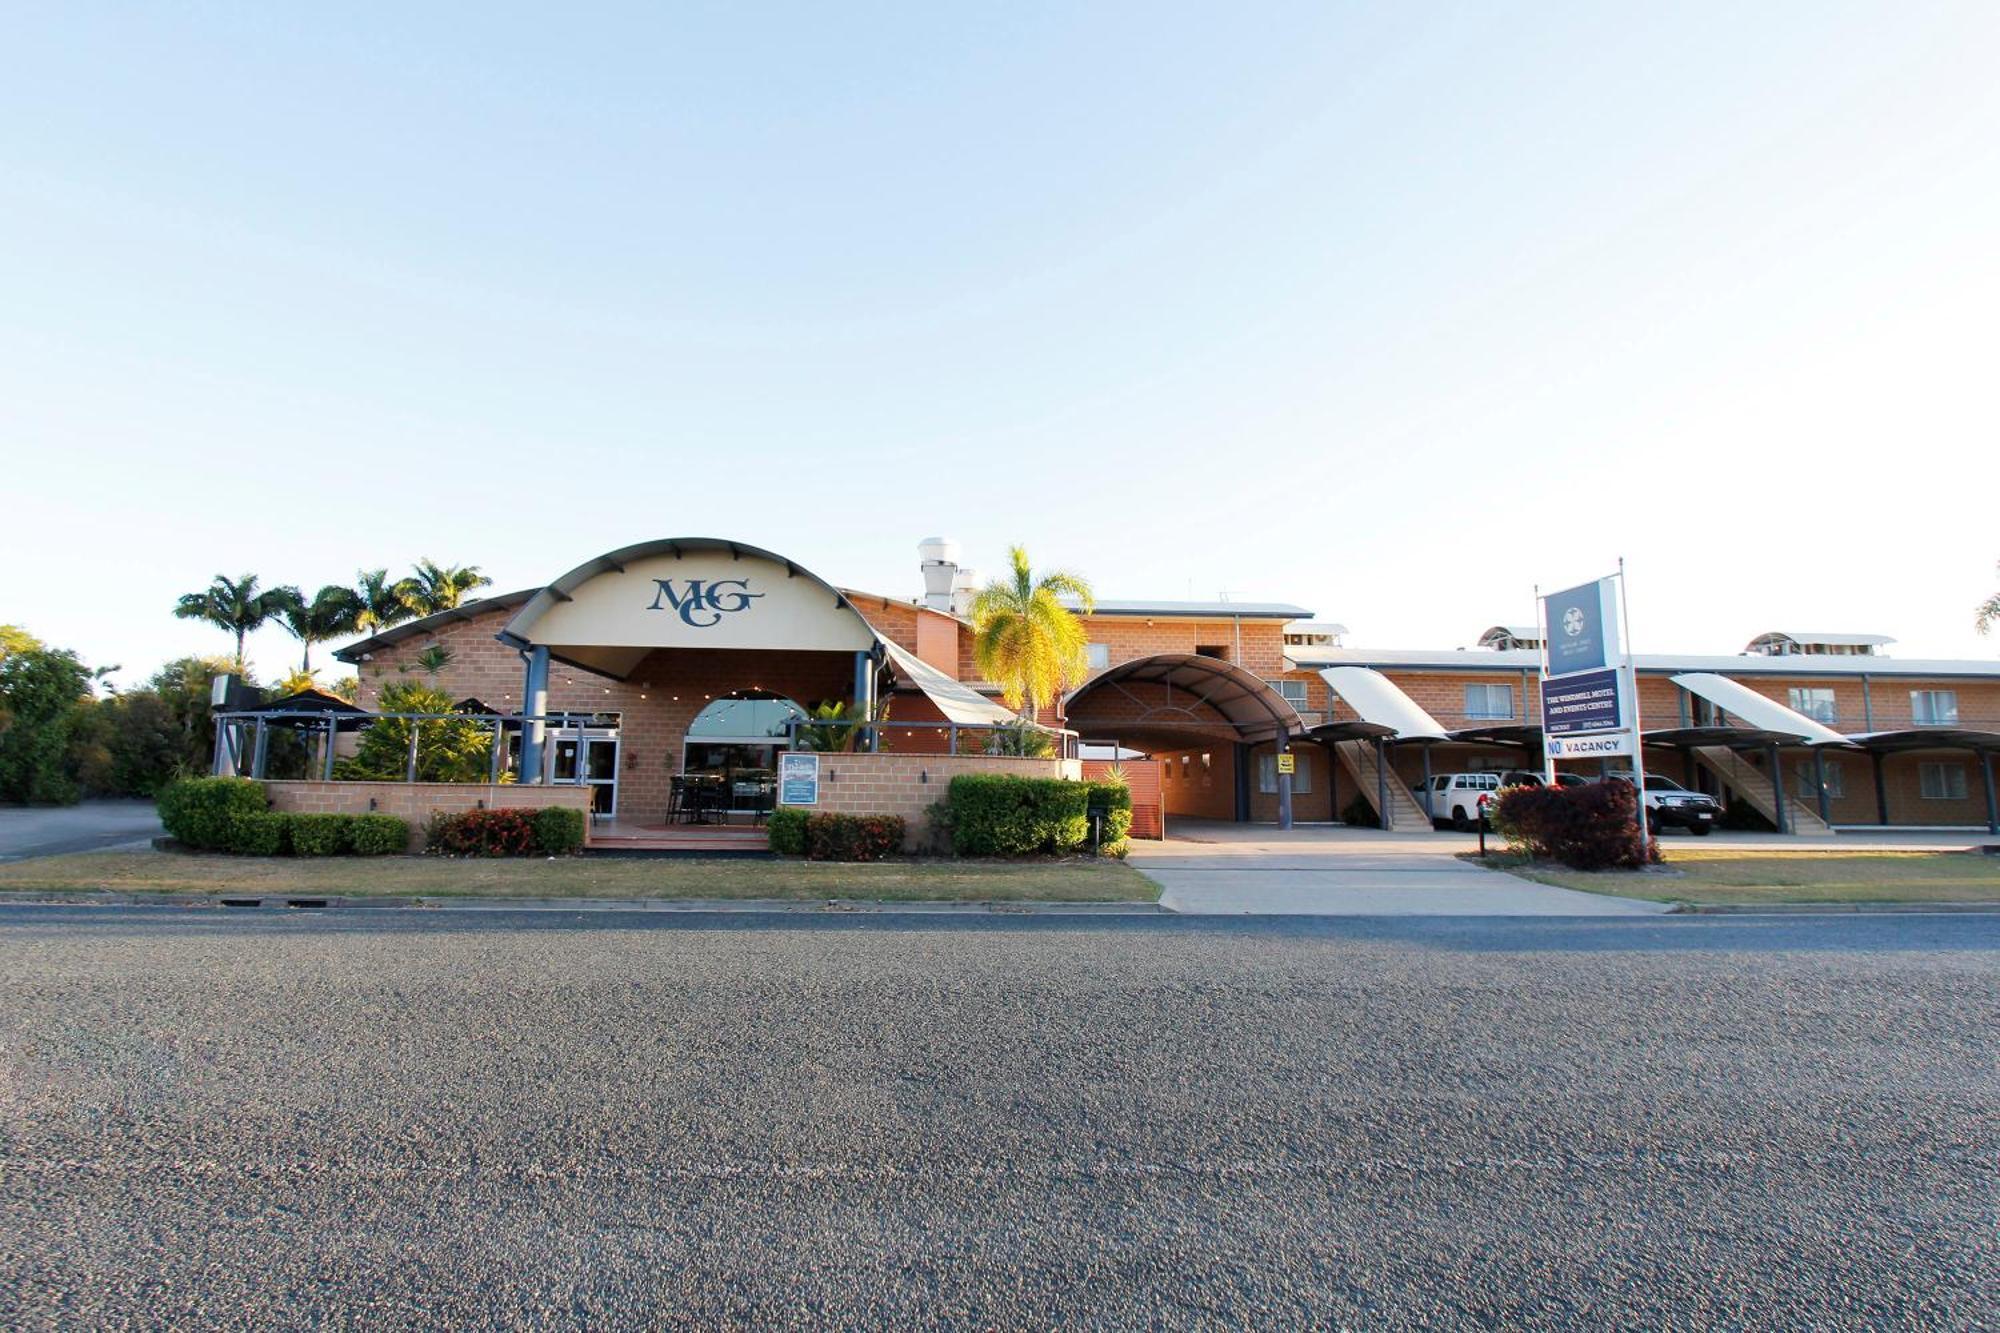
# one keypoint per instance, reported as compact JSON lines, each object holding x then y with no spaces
{"x":1332,"y":870}
{"x":94,"y":826}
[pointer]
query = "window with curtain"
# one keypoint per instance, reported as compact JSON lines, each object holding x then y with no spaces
{"x":1941,"y":782}
{"x":1934,"y":708}
{"x":1815,"y":701}
{"x":1489,"y":702}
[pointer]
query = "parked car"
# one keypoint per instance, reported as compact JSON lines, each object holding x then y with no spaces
{"x":1457,"y":798}
{"x":1670,"y":805}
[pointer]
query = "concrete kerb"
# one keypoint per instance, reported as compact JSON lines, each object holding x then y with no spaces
{"x":302,"y":902}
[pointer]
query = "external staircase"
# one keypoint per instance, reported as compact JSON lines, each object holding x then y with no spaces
{"x":1752,"y":785}
{"x":1362,"y":763}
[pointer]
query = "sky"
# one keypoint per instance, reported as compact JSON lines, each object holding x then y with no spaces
{"x":1394,"y":312}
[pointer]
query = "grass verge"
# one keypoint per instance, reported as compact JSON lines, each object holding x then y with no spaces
{"x":584,"y":877}
{"x":1739,"y":877}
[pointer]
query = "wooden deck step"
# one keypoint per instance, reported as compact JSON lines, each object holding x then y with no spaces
{"x":714,"y":839}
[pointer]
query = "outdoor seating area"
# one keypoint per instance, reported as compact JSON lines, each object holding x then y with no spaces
{"x":720,"y":798}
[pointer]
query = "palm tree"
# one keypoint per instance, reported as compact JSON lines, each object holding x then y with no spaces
{"x":331,"y":613}
{"x":231,"y":604}
{"x":1025,"y":640}
{"x":438,"y":587}
{"x":381,"y":599}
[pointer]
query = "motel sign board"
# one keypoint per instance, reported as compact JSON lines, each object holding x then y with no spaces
{"x":1584,"y":709}
{"x":798,"y":778}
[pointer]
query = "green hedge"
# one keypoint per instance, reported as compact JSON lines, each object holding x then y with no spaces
{"x":788,"y":831}
{"x":559,"y":831}
{"x":1115,"y":834}
{"x":200,"y":812}
{"x":995,"y":814}
{"x":228,"y":815}
{"x":378,"y":835}
{"x":322,"y":835}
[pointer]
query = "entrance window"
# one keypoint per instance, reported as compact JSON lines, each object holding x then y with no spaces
{"x":746,"y":716}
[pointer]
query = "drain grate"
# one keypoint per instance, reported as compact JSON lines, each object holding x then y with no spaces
{"x":242,"y":902}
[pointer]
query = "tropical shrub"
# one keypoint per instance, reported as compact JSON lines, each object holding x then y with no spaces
{"x":504,"y":832}
{"x":1592,"y":827}
{"x":378,"y":835}
{"x":997,"y":814}
{"x":1019,"y":739}
{"x":321,"y":835}
{"x":834,"y":727}
{"x":559,"y":831}
{"x":449,"y":749}
{"x":853,"y":837}
{"x":199,"y":812}
{"x":787,"y":828}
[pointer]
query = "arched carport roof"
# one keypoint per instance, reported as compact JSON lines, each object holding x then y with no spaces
{"x":1243,"y":699}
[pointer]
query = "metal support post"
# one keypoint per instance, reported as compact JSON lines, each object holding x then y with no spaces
{"x":1819,"y":780}
{"x":410,"y":765}
{"x":499,"y":755}
{"x":260,"y":749}
{"x":1992,"y":803}
{"x":332,"y":738}
{"x":534,"y":707}
{"x":1429,"y":812}
{"x":1280,"y":746}
{"x":1881,"y":789}
{"x":1240,"y":753}
{"x":1381,"y":783}
{"x":1778,"y":790}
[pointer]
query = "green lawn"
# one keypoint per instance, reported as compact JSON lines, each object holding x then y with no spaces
{"x":584,"y":877}
{"x":1724,"y":877}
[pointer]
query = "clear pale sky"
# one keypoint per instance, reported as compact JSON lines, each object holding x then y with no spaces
{"x":1390,"y":311}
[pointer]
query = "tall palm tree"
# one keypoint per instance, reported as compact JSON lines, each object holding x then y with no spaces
{"x":331,"y":613}
{"x":1025,"y":640}
{"x":382,"y":601}
{"x":231,"y":604}
{"x":437,"y":587}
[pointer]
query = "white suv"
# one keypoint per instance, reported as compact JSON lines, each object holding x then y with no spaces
{"x":1457,"y":798}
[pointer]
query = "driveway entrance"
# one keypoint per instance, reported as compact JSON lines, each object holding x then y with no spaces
{"x":1331,"y":870}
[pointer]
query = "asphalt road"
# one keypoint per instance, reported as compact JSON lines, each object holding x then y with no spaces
{"x":399,"y":1119}
{"x":91,"y":827}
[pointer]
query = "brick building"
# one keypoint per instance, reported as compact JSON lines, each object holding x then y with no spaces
{"x":706,"y":657}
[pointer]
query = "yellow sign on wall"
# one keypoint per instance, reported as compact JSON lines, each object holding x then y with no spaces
{"x":1288,"y":763}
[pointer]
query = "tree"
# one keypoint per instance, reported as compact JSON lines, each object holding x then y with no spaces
{"x":1989,"y":612}
{"x":14,"y":639}
{"x":330,"y":614}
{"x":1025,"y":640}
{"x":382,"y":601}
{"x":231,"y":604}
{"x":44,"y":692}
{"x":436,"y":587}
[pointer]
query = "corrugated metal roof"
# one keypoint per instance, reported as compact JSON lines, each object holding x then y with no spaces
{"x":1204,"y":610}
{"x":1762,"y":713}
{"x":1377,"y":699}
{"x":1756,"y":664}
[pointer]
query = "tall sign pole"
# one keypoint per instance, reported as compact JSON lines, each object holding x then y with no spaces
{"x":1590,"y":689}
{"x":1542,"y":646}
{"x":1632,"y":712}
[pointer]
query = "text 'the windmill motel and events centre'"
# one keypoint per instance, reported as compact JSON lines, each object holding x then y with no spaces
{"x":698,"y":664}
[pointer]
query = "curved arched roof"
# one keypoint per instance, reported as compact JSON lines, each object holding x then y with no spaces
{"x":1243,"y":698}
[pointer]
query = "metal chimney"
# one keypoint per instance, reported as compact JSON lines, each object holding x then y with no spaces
{"x":939,"y":556}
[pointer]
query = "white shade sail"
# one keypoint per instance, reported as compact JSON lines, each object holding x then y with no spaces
{"x":959,"y":702}
{"x":1756,"y":710}
{"x":1377,"y":699}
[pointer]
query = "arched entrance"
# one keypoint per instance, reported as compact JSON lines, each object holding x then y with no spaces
{"x":1216,"y":727}
{"x":735,"y":740}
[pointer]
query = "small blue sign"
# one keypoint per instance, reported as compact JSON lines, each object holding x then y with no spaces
{"x":798,"y":778}
{"x":1581,"y":635}
{"x":1578,"y":704}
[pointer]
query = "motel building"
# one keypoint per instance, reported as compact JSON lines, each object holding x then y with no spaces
{"x":657,"y":685}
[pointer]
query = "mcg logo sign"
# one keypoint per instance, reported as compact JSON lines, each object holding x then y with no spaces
{"x":701,"y":603}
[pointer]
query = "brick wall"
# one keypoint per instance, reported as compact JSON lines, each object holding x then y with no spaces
{"x":907,"y":784}
{"x":1142,"y":779}
{"x":416,"y":802}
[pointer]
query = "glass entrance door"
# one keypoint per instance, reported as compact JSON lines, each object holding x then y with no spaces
{"x":600,"y":768}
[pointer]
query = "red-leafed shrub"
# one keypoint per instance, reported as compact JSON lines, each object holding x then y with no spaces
{"x":1592,"y":827}
{"x":853,"y":837}
{"x":507,"y":832}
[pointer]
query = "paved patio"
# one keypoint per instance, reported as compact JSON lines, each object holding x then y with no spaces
{"x":1331,"y":870}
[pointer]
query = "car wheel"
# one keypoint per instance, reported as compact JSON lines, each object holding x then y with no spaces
{"x":1459,"y":821}
{"x":1702,"y":830}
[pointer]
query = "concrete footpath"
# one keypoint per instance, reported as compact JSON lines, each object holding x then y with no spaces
{"x":94,"y":826}
{"x":1257,"y":870}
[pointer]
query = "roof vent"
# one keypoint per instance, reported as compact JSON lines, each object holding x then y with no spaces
{"x":1816,"y":643}
{"x":939,"y":560}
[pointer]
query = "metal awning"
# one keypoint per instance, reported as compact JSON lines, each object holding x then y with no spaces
{"x":1928,"y":738}
{"x":1245,"y":700}
{"x":1733,"y":738}
{"x":959,"y":702}
{"x":1377,"y":699}
{"x":1760,"y":712}
{"x":1501,"y":733}
{"x":1351,"y":731}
